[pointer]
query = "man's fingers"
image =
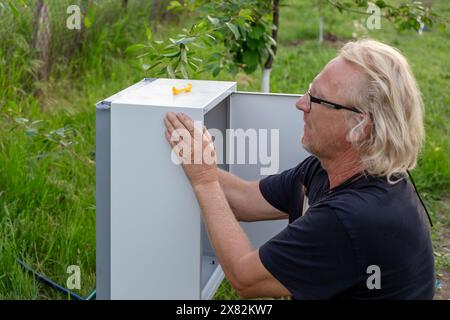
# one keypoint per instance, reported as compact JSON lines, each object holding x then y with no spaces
{"x":177,"y":149}
{"x":168,"y":125}
{"x":182,"y":132}
{"x":174,"y":121}
{"x":186,"y":121}
{"x":168,"y":137}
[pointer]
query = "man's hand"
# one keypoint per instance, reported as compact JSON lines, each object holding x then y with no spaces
{"x":194,"y":147}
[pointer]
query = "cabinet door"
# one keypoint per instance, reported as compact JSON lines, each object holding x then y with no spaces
{"x":280,"y":146}
{"x":155,"y":220}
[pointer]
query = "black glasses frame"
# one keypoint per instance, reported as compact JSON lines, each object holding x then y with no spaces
{"x":328,"y":104}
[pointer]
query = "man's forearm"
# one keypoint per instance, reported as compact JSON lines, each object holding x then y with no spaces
{"x":246,"y":200}
{"x":234,"y":189}
{"x":229,"y":182}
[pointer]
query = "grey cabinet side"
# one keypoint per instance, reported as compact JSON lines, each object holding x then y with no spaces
{"x":277,"y":112}
{"x":103,"y":203}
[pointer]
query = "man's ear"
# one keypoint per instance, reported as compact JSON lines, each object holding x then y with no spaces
{"x":368,"y":126}
{"x":361,"y":128}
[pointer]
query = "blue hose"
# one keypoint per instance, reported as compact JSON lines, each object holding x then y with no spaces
{"x":54,"y":285}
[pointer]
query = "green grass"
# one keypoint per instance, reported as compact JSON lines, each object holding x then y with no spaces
{"x":47,"y":183}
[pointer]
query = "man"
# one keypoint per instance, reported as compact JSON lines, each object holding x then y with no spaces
{"x":364,"y":235}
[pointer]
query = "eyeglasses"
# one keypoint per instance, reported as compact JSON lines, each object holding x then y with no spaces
{"x":326,"y":103}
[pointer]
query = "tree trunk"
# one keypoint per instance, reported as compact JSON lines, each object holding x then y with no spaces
{"x":265,"y":85}
{"x":125,"y":5}
{"x":41,"y":41}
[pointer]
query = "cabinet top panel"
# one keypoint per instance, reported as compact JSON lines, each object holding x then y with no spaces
{"x":158,"y":93}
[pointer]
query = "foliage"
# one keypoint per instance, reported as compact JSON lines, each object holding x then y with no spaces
{"x":408,"y":15}
{"x":242,"y":27}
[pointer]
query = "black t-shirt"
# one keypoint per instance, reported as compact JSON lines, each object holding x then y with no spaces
{"x":335,"y":248}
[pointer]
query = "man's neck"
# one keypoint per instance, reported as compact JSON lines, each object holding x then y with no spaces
{"x":342,"y":167}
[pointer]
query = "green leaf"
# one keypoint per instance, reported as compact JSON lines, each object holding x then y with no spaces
{"x":380,"y":3}
{"x":171,"y":54}
{"x":255,"y":44}
{"x":426,"y":21}
{"x":21,"y":120}
{"x":174,"y":6}
{"x":233,"y":29}
{"x":183,"y":71}
{"x":153,"y":65}
{"x":272,"y":40}
{"x":256,"y":32}
{"x":183,"y":40}
{"x":184,"y":56}
{"x":210,"y":66}
{"x":216,"y":71}
{"x":214,"y":21}
{"x":247,"y":14}
{"x":170,"y":72}
{"x":193,"y":66}
{"x":148,"y":33}
{"x":198,"y":45}
{"x":87,"y":22}
{"x":217,"y":55}
{"x":414,"y":24}
{"x":233,"y":69}
{"x":270,"y":51}
{"x":36,"y":122}
{"x":135,"y":47}
{"x":61,"y":132}
{"x":251,"y":59}
{"x":211,"y":37}
{"x":143,"y":55}
{"x":31,"y":131}
{"x":202,"y":25}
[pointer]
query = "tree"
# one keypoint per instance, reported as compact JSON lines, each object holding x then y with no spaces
{"x":245,"y":33}
{"x":265,"y":85}
{"x":41,"y":41}
{"x":319,"y":9}
{"x":242,"y":28}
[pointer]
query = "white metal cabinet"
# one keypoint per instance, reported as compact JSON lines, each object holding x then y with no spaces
{"x":151,"y":242}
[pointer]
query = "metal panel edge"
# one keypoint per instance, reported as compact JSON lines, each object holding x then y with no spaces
{"x":103,"y":203}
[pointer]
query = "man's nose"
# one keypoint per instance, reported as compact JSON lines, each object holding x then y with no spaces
{"x":302,"y":103}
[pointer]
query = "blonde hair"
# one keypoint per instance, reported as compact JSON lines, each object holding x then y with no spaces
{"x":389,"y":96}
